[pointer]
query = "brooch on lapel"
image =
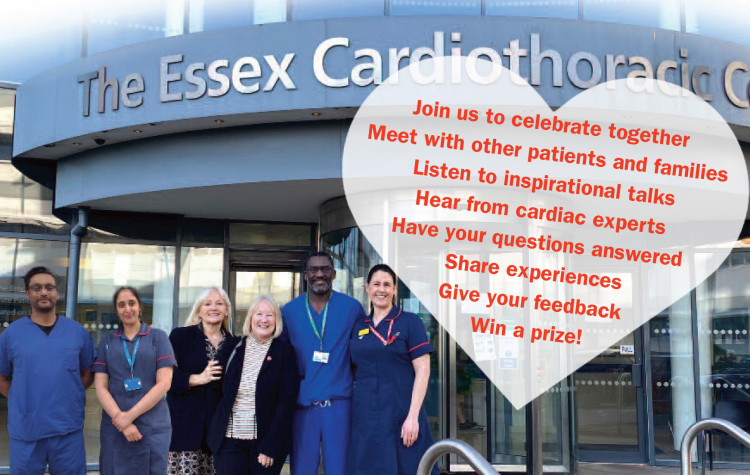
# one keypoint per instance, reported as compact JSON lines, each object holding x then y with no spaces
{"x":268,"y":358}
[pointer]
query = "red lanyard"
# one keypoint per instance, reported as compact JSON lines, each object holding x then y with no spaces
{"x":390,"y":339}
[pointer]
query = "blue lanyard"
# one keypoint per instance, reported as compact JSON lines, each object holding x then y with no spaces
{"x":131,"y":359}
{"x":325,"y":316}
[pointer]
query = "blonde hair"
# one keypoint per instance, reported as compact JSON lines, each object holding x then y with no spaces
{"x":254,"y":307}
{"x":194,"y":319}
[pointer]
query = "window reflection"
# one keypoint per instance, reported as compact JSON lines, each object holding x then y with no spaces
{"x":319,"y":9}
{"x":7,"y":100}
{"x":104,"y":267}
{"x":672,"y":392}
{"x":724,"y":349}
{"x":269,"y":11}
{"x":219,"y":14}
{"x":651,"y":13}
{"x":283,"y":286}
{"x":353,"y":256}
{"x":26,"y":206}
{"x":259,"y":234}
{"x":534,"y":8}
{"x":18,"y":256}
{"x":212,"y":15}
{"x":726,"y":20}
{"x":115,"y":24}
{"x":606,"y":399}
{"x":199,"y":268}
{"x":435,"y":7}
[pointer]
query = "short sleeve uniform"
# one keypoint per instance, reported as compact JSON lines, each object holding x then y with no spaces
{"x":383,"y":385}
{"x":148,"y":455}
{"x":47,"y":397}
{"x":321,"y":381}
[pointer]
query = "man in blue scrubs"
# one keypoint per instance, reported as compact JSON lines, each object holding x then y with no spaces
{"x":319,"y":324}
{"x":45,"y":368}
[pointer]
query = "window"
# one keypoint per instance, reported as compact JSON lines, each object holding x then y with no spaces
{"x":7,"y":101}
{"x":567,"y":9}
{"x":115,"y":24}
{"x":651,"y":13}
{"x":320,"y":9}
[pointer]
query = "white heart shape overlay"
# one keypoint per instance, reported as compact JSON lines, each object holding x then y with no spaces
{"x":581,"y":238}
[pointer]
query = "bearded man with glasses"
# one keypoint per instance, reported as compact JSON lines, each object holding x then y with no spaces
{"x":318,"y":324}
{"x":45,"y":368}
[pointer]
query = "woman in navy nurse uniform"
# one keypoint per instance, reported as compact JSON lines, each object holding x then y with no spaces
{"x":133,"y":373}
{"x":391,"y":353}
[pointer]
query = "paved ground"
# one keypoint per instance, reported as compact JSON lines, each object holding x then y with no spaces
{"x":614,"y":469}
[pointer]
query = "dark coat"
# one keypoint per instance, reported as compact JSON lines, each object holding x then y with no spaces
{"x":191,"y":408}
{"x":275,"y":397}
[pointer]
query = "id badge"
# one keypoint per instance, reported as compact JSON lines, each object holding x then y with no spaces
{"x":320,"y":357}
{"x":132,"y":384}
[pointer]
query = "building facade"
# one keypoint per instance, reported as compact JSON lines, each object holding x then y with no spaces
{"x":201,"y":143}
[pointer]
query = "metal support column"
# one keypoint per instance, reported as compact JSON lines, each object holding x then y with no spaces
{"x":534,"y":458}
{"x":76,"y":235}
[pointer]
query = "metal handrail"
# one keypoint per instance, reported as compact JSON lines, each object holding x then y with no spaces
{"x":464,"y":450}
{"x":706,"y":424}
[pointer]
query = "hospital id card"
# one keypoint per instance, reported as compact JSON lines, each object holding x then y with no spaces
{"x":132,"y":384}
{"x":320,"y":356}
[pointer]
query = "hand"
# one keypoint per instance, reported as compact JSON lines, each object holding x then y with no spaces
{"x":132,"y":433}
{"x":122,"y":420}
{"x":410,"y":431}
{"x":212,"y":372}
{"x":265,"y":460}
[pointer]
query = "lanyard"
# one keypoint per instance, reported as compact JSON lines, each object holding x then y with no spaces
{"x":389,"y":339}
{"x":131,"y":359}
{"x":323,"y":326}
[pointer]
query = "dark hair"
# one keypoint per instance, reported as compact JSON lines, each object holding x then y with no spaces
{"x":36,"y":271}
{"x":132,"y":290}
{"x":319,"y":254}
{"x":381,"y":268}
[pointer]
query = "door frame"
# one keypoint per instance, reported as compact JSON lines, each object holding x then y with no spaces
{"x":231,"y":280}
{"x":640,"y":380}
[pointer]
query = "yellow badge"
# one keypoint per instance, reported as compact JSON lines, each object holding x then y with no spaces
{"x":364,"y":331}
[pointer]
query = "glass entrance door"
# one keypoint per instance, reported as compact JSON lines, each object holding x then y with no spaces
{"x":245,"y":284}
{"x":481,"y":416}
{"x":609,"y":404}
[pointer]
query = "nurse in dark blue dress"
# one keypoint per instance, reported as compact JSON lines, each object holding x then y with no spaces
{"x":391,"y":353}
{"x":133,"y":373}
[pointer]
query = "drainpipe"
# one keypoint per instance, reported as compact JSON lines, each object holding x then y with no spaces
{"x":76,"y":234}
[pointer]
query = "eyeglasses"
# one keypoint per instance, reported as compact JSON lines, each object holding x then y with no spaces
{"x":38,"y":288}
{"x":327,"y":270}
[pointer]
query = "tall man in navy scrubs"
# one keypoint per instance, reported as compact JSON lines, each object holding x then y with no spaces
{"x":319,"y":324}
{"x":45,"y":365}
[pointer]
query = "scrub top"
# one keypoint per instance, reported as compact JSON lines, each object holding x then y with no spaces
{"x":383,"y":385}
{"x":321,"y":381}
{"x":154,"y":352}
{"x":47,"y":397}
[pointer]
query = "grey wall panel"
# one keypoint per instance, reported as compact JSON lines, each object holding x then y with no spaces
{"x":258,"y":154}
